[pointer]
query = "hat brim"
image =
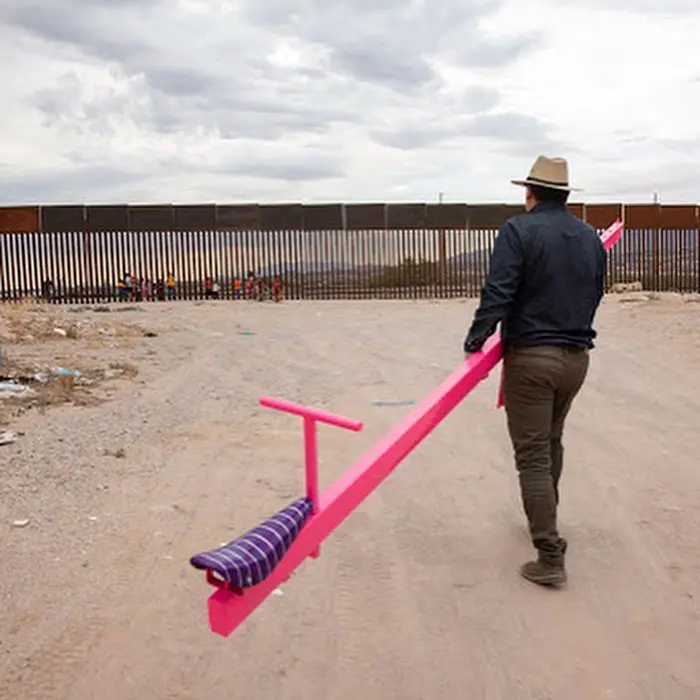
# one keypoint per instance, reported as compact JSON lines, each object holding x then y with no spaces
{"x":549,"y":186}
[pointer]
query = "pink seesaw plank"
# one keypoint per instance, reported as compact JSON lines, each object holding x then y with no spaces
{"x":228,"y":609}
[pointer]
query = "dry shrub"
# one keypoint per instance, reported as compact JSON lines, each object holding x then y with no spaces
{"x":33,"y":349}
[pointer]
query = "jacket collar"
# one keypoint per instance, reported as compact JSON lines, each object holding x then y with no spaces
{"x":547,"y":206}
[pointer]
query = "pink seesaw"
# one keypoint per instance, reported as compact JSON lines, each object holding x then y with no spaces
{"x":248,"y":569}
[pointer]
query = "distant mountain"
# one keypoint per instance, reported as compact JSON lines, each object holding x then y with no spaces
{"x":308,"y":267}
{"x":469,"y":260}
{"x":668,"y":242}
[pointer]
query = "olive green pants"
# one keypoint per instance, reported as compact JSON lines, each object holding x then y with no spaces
{"x":540,"y":384}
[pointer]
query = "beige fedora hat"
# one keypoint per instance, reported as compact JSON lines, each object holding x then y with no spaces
{"x":549,"y":172}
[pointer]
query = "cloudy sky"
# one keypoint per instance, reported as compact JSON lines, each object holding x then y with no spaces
{"x":346,"y":100}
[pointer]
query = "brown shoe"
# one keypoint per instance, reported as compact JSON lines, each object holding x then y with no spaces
{"x":543,"y":573}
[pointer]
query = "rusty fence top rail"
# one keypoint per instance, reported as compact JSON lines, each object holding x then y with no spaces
{"x":317,"y":217}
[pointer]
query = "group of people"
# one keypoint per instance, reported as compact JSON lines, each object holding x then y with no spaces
{"x":131,"y":288}
{"x":255,"y":288}
{"x":258,"y":288}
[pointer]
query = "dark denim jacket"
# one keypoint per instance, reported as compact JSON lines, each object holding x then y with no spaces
{"x":546,"y":280}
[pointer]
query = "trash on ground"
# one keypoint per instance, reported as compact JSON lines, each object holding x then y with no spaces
{"x":12,"y":388}
{"x":20,"y":523}
{"x":61,"y":332}
{"x":7,"y":438}
{"x":63,"y":372}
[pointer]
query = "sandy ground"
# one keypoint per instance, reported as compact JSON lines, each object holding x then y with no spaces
{"x":417,"y":595}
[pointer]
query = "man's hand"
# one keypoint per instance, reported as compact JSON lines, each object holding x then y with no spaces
{"x":470,"y":348}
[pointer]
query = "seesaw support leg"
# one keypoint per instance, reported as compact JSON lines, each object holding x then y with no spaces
{"x":311,"y":465}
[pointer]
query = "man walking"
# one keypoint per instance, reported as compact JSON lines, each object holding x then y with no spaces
{"x":546,"y":280}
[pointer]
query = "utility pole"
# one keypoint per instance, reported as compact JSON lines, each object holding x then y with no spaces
{"x":442,"y":252}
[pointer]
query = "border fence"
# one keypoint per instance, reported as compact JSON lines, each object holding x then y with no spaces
{"x":77,"y":254}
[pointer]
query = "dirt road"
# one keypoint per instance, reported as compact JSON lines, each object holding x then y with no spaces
{"x":417,"y":596}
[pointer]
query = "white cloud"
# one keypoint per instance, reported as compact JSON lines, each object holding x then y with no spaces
{"x":622,"y":86}
{"x":352,"y":100}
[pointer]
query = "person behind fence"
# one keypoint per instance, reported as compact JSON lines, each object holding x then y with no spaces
{"x":277,"y":291}
{"x":250,"y":285}
{"x":48,"y":290}
{"x":544,"y":286}
{"x":211,"y":288}
{"x":259,"y":286}
{"x":124,"y":287}
{"x":170,"y":286}
{"x":129,"y":285}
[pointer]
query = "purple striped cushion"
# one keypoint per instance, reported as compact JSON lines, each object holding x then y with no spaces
{"x":251,"y":558}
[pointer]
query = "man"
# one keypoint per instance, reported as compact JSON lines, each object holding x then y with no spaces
{"x":545,"y":283}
